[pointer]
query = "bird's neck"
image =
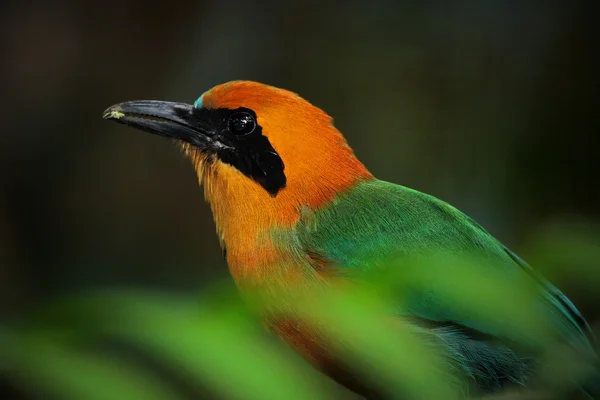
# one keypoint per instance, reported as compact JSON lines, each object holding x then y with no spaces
{"x":253,"y":225}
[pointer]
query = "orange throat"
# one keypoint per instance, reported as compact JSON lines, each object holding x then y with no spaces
{"x":246,"y":215}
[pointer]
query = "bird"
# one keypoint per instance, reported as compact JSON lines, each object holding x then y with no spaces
{"x":295,"y":208}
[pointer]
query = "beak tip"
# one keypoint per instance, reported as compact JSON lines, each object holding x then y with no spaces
{"x":113,"y":112}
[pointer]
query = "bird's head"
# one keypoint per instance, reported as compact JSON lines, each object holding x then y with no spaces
{"x":254,"y":144}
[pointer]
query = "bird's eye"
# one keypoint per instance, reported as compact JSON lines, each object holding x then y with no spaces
{"x":242,"y":123}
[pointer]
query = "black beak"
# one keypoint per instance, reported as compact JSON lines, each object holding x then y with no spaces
{"x":175,"y":120}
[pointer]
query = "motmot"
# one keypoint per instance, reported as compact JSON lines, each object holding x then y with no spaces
{"x":294,"y":208}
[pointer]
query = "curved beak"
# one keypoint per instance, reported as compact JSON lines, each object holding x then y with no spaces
{"x":176,"y":120}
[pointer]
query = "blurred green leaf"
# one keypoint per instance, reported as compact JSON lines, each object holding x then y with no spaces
{"x":219,"y":346}
{"x":45,"y":367}
{"x":215,"y":342}
{"x":458,"y":289}
{"x":380,"y":347}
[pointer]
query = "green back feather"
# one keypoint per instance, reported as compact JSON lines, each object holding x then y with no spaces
{"x":377,"y":222}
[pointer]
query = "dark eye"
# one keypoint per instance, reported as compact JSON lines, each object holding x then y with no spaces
{"x":242,"y":123}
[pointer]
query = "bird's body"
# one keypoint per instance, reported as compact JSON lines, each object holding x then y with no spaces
{"x":296,"y":210}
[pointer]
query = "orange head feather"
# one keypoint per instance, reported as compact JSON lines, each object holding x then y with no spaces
{"x":318,"y":163}
{"x":266,"y":157}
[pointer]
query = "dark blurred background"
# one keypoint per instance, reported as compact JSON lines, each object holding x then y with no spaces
{"x":489,"y":105}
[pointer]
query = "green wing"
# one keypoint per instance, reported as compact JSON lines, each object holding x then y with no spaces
{"x":378,"y":221}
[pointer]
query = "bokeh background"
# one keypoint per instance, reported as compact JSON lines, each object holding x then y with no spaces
{"x":489,"y":105}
